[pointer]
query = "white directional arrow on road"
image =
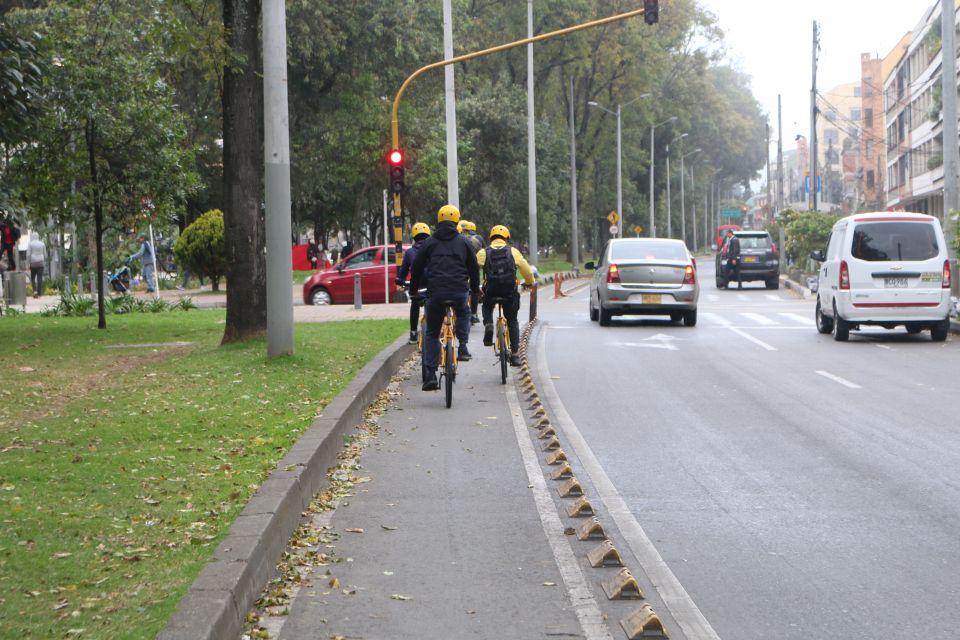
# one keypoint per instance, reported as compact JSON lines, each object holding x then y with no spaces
{"x":659,"y":341}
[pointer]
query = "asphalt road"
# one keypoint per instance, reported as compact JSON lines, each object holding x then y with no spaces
{"x":775,"y":484}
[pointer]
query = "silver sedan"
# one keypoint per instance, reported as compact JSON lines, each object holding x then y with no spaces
{"x":645,"y":276}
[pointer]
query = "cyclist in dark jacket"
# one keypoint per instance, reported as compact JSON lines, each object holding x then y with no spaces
{"x":449,"y":265}
{"x":420,"y":233}
{"x":469,"y":231}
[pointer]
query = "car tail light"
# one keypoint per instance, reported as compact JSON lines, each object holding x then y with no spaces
{"x":613,"y":274}
{"x":844,"y":276}
{"x":689,"y":275}
{"x":776,"y":250}
{"x":946,"y":274}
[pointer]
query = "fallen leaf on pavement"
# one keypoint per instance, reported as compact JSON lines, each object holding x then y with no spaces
{"x":397,"y":596}
{"x":354,"y":530}
{"x":334,"y":583}
{"x":386,"y":528}
{"x":549,"y":584}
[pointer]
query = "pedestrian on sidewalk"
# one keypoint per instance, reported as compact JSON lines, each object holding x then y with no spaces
{"x":9,"y":234}
{"x":145,"y":255}
{"x":499,"y":263}
{"x":37,"y":257}
{"x":448,"y":264}
{"x":420,"y":232}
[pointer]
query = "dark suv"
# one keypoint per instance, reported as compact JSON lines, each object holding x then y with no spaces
{"x":759,"y":260}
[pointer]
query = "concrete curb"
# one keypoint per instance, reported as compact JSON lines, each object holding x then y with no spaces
{"x":804,"y":292}
{"x":243,"y":563}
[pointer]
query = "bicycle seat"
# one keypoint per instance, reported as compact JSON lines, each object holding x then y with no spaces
{"x":498,"y":300}
{"x":448,"y":303}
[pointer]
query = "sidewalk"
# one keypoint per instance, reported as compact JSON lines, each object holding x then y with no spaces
{"x":453,"y":525}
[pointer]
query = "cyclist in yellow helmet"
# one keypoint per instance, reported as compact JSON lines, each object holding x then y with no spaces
{"x":499,"y":263}
{"x":449,"y":266}
{"x":420,"y":232}
{"x":468,"y":229}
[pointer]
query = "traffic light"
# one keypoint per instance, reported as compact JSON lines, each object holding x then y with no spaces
{"x":395,"y":160}
{"x":651,"y":11}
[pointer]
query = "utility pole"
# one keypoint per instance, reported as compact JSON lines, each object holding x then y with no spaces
{"x":453,"y":172}
{"x":531,"y":143}
{"x":813,"y":120}
{"x":780,"y":200}
{"x":575,"y":253}
{"x":693,"y":213}
{"x":951,"y":146}
{"x":669,"y":233}
{"x":769,"y":188}
{"x":276,"y":151}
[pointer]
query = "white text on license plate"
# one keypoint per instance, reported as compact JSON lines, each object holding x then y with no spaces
{"x":895,"y":283}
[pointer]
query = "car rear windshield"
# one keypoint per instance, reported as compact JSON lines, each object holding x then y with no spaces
{"x":755,"y":242}
{"x":900,"y":241}
{"x":647,"y":250}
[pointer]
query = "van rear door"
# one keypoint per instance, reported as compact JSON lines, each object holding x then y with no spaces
{"x":896,"y":262}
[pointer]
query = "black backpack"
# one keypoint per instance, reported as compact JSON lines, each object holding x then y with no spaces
{"x":500,"y":270}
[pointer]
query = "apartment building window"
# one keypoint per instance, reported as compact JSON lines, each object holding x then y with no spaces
{"x":855,"y":115}
{"x":871,"y":180}
{"x":868,"y":118}
{"x":831,"y":136}
{"x":856,"y":92}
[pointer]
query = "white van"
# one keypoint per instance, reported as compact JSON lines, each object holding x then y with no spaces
{"x":884,"y":269}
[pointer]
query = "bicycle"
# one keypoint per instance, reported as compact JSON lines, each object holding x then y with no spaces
{"x":501,"y":340}
{"x":448,"y":351}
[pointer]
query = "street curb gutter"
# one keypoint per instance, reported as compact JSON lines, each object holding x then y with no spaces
{"x":218,"y":600}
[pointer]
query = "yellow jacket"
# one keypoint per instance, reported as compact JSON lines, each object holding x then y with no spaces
{"x":518,"y":258}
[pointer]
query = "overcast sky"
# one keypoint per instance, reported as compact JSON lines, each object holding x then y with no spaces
{"x":771,"y":40}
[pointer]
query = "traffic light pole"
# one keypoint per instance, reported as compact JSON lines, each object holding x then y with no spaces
{"x":395,"y":122}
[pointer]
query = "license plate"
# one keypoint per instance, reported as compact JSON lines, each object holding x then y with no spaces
{"x":650,"y":298}
{"x":895,"y":283}
{"x":750,"y":258}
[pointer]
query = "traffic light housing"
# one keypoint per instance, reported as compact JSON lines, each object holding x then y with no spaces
{"x":651,"y":11}
{"x":395,"y":160}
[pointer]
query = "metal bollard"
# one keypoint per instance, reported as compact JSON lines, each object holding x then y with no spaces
{"x":357,"y":293}
{"x":93,"y":283}
{"x":66,"y":285}
{"x":533,"y":302}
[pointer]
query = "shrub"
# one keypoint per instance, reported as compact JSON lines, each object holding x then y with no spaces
{"x":806,"y":232}
{"x":200,"y":247}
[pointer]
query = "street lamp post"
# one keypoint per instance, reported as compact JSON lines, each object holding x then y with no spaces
{"x":683,"y":206}
{"x":669,"y":201}
{"x":619,"y":151}
{"x":653,"y":220}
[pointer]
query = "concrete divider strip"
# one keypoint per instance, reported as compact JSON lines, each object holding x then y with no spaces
{"x":243,"y":563}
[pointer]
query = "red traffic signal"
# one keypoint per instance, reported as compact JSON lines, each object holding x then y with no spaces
{"x":395,"y":158}
{"x":651,"y":11}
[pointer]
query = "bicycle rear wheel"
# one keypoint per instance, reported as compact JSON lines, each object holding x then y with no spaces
{"x":502,"y":348}
{"x":449,"y":371}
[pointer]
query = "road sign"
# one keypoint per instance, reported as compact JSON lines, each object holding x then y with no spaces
{"x":637,"y":229}
{"x":614,"y":229}
{"x":613,"y":217}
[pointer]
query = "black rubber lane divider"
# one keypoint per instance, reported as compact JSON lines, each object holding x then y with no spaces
{"x":243,"y":563}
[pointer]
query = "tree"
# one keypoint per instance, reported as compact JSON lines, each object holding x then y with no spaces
{"x":110,"y":126}
{"x":244,"y":225}
{"x":20,"y":80}
{"x":200,"y":247}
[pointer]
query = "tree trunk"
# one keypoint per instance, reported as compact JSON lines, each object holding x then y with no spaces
{"x":244,"y":230}
{"x":91,"y":135}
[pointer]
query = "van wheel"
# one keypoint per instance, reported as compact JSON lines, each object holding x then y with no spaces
{"x":939,"y":331}
{"x":841,"y":328}
{"x":824,"y":324}
{"x":594,"y":314}
{"x":773,"y":283}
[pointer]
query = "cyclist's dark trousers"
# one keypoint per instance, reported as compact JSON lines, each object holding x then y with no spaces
{"x":510,"y":311}
{"x":414,"y":315}
{"x":431,"y":336}
{"x":473,"y":304}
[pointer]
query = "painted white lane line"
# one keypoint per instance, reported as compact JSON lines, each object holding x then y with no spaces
{"x":838,"y":379}
{"x":884,"y":346}
{"x":712,"y":297}
{"x":743,"y":297}
{"x":743,"y":334}
{"x":675,"y":597}
{"x":759,"y":318}
{"x":578,"y":589}
{"x":774,"y":297}
{"x":804,"y":320}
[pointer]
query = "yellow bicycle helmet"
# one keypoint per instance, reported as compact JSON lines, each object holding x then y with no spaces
{"x":467,"y":225}
{"x":448,"y":212}
{"x":419,"y":228}
{"x":460,"y":226}
{"x":500,"y":230}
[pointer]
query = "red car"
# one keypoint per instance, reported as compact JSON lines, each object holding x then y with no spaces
{"x":335,"y":286}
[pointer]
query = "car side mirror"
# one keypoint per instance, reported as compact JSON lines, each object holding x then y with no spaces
{"x":590,"y":265}
{"x":817,"y":255}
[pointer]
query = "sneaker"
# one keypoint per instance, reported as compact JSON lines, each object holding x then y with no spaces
{"x":474,"y":320}
{"x":462,"y":354}
{"x":413,"y":337}
{"x":515,"y":360}
{"x":431,"y":383}
{"x":488,"y":335}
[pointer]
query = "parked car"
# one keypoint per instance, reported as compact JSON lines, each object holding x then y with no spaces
{"x":886,"y":269}
{"x":644,"y":276}
{"x":759,"y":260}
{"x":335,"y":286}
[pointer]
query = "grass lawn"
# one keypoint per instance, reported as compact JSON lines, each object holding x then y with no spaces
{"x":124,"y":458}
{"x":299,"y":277}
{"x":553,"y":265}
